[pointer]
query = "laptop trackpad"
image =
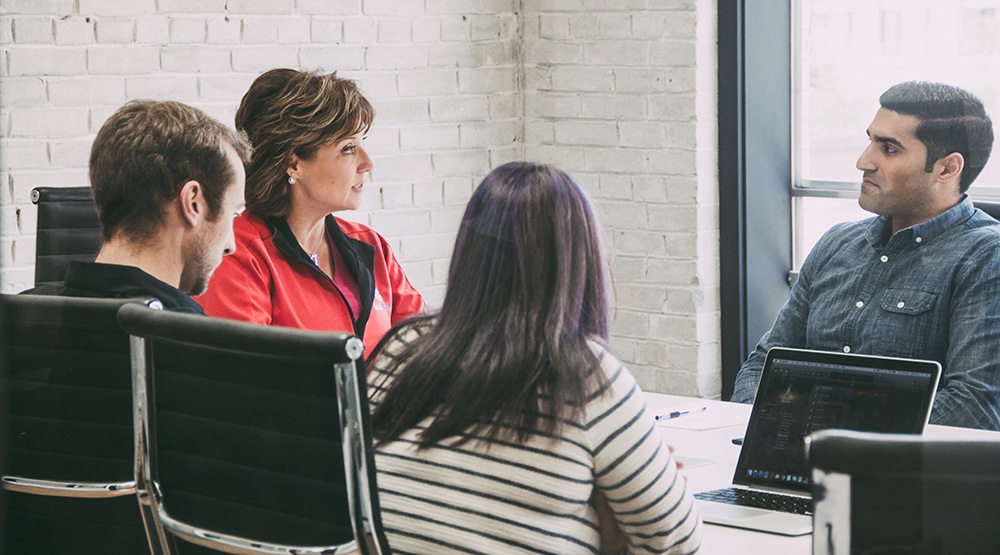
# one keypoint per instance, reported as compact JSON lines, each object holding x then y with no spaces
{"x":755,"y":519}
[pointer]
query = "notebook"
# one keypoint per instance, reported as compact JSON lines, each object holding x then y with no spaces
{"x":803,"y":391}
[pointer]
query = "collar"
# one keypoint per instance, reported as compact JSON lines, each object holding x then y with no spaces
{"x":879,"y":231}
{"x":95,"y":279}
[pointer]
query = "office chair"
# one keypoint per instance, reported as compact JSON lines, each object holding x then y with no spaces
{"x":991,"y":208}
{"x":69,"y":441}
{"x":904,"y":494}
{"x":254,"y":439}
{"x":67,"y":229}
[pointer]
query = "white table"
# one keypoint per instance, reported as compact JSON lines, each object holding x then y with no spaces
{"x":715,"y":445}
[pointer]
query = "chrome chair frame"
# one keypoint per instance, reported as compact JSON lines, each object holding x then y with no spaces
{"x":344,"y":355}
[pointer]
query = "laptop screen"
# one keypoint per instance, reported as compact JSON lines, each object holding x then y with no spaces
{"x":801,"y":392}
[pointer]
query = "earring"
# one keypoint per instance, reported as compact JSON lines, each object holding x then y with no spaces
{"x":291,"y":179}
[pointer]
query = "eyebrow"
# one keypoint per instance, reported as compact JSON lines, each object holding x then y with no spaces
{"x":889,"y":140}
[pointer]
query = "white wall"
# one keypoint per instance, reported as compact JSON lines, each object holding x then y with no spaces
{"x":620,"y":93}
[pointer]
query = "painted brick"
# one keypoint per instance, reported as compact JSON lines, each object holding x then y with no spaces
{"x":388,"y":56}
{"x":222,"y":30}
{"x":328,"y":7}
{"x":33,"y":30}
{"x":424,"y":247}
{"x":612,"y":186}
{"x":414,"y":222}
{"x":501,"y":53}
{"x":640,"y":80}
{"x":554,"y":26}
{"x":639,"y":242}
{"x":46,"y":61}
{"x":393,"y":30}
{"x":623,"y":214}
{"x":161,"y":87}
{"x":552,"y":105}
{"x":402,"y":167}
{"x":617,"y":53}
{"x":46,"y":7}
{"x":326,"y":30}
{"x":458,"y":190}
{"x":293,"y":30}
{"x":70,"y":153}
{"x":672,"y":107}
{"x":539,"y":132}
{"x":555,"y":52}
{"x":24,"y":154}
{"x":435,"y":82}
{"x":360,"y":29}
{"x":455,"y":28}
{"x":116,"y":7}
{"x":675,"y":53}
{"x":132,"y":59}
{"x":601,"y":133}
{"x":154,"y":29}
{"x":48,"y":122}
{"x":650,"y":25}
{"x":22,"y":91}
{"x":115,"y":30}
{"x":75,"y":30}
{"x":582,"y":79}
{"x":505,"y":105}
{"x":22,"y":182}
{"x":460,"y":108}
{"x":429,"y":137}
{"x":429,"y":194}
{"x":491,"y":27}
{"x":486,"y":135}
{"x":187,"y":30}
{"x":641,"y":134}
{"x":489,"y":79}
{"x":475,"y":162}
{"x":452,"y":54}
{"x":396,"y":8}
{"x":224,"y":87}
{"x":426,"y":29}
{"x":261,"y":7}
{"x":402,"y":111}
{"x":327,"y":58}
{"x":86,"y":90}
{"x":191,"y":6}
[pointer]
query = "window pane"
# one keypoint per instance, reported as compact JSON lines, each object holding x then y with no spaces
{"x":850,"y":52}
{"x":815,"y":215}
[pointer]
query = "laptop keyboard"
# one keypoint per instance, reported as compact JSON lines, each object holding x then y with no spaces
{"x":760,"y":500}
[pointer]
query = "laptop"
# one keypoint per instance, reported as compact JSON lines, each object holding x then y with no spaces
{"x":800,"y":392}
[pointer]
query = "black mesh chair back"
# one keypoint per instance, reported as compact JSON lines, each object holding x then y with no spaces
{"x":892,"y":493}
{"x":255,"y":438}
{"x":70,"y":443}
{"x":67,"y":229}
{"x":991,"y":208}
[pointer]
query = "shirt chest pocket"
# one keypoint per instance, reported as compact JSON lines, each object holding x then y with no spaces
{"x":905,"y":322}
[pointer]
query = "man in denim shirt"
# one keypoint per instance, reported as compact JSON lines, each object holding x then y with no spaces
{"x":920,"y":280}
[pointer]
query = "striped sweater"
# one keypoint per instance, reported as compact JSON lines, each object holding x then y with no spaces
{"x":490,"y":496}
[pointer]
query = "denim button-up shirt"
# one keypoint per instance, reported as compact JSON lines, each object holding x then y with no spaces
{"x":930,"y":291}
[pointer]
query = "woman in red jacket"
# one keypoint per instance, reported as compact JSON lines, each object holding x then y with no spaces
{"x":296,"y":264}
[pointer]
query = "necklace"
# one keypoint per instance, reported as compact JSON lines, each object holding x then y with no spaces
{"x":314,"y":256}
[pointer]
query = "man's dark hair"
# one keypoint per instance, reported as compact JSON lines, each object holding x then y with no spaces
{"x":143,"y":155}
{"x":951,"y":120}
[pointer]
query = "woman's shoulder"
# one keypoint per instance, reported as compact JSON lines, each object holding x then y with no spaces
{"x":248,"y":227}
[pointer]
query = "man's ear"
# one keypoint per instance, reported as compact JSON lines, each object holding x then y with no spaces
{"x":950,"y":167}
{"x":193,"y":206}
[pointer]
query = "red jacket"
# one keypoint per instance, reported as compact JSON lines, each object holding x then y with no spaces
{"x":270,"y":280}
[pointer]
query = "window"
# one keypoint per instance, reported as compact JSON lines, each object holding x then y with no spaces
{"x":845,"y":54}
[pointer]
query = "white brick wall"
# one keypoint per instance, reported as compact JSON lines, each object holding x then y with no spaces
{"x":609,"y":95}
{"x":620,"y":93}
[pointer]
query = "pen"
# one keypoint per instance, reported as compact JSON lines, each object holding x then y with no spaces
{"x":677,"y":413}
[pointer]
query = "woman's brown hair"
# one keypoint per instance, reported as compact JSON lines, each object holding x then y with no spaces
{"x":287,"y":112}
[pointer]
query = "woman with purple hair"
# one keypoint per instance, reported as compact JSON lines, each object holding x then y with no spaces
{"x":501,"y":422}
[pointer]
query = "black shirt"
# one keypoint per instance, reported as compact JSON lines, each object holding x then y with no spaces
{"x":112,"y":281}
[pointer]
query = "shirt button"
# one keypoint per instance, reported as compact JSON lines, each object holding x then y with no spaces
{"x":884,"y":258}
{"x":919,"y":239}
{"x":859,"y":304}
{"x":847,"y":348}
{"x":900,"y":304}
